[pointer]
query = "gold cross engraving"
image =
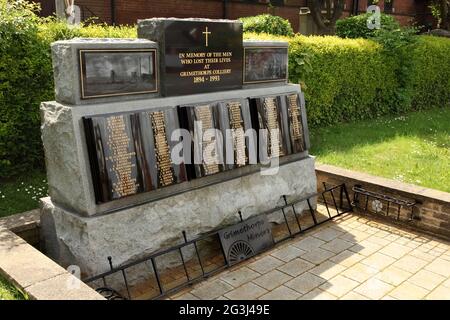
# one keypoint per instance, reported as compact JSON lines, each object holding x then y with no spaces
{"x":206,"y":33}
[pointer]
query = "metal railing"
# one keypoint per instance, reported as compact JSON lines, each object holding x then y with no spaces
{"x":293,"y":226}
{"x":382,"y":203}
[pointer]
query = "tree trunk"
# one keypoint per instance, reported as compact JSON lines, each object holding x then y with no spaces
{"x":445,"y":15}
{"x":326,"y":21}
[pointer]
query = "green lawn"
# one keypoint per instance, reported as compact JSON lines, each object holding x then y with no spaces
{"x":414,"y":148}
{"x":9,"y":292}
{"x":22,"y":194}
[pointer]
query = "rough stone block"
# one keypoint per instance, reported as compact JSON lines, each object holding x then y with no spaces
{"x":140,"y":230}
{"x":67,"y":160}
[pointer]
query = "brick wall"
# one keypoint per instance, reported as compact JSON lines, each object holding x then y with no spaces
{"x":129,"y":11}
{"x":432,"y":213}
{"x":405,"y":11}
{"x":97,"y":8}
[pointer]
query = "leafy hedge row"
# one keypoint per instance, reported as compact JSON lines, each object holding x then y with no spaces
{"x":428,"y":72}
{"x":26,"y":79}
{"x":356,"y":26}
{"x":352,"y":79}
{"x":343,"y":79}
{"x":267,"y":23}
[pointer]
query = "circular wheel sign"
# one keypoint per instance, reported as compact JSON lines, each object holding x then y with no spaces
{"x":240,"y":250}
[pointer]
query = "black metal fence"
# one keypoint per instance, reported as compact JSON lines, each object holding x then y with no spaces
{"x":203,"y":256}
{"x":383,"y":204}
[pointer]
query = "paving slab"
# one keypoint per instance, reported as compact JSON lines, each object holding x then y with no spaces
{"x":240,"y":276}
{"x":212,"y":290}
{"x":361,"y":260}
{"x":248,"y":291}
{"x":281,"y":293}
{"x":296,"y":267}
{"x":305,"y":282}
{"x":272,"y":279}
{"x":265,"y":264}
{"x":287,"y":253}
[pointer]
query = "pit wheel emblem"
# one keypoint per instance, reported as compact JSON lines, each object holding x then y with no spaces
{"x":240,"y":250}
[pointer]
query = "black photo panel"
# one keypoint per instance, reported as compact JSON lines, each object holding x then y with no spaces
{"x":105,"y":73}
{"x":265,"y":64}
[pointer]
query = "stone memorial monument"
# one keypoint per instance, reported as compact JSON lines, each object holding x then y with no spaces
{"x":176,"y":131}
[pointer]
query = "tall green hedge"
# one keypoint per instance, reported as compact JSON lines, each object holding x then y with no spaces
{"x":267,"y":23}
{"x":26,"y":79}
{"x":356,"y":26}
{"x":428,"y":74}
{"x":352,"y":79}
{"x":343,"y":79}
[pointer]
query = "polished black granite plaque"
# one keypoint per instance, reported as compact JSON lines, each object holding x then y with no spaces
{"x":131,"y":153}
{"x":207,"y":153}
{"x":295,"y":126}
{"x":265,"y":64}
{"x":272,"y":142}
{"x":240,"y":142}
{"x":197,"y":55}
{"x":156,"y":130}
{"x":117,"y":170}
{"x":105,"y":73}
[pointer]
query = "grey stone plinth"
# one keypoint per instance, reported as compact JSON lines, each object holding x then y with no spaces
{"x":262,"y":43}
{"x":67,"y":160}
{"x":128,"y":234}
{"x":66,"y":66}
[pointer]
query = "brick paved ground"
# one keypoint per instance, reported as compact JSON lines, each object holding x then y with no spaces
{"x":349,"y":258}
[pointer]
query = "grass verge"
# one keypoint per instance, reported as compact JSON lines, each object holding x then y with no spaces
{"x":414,"y":148}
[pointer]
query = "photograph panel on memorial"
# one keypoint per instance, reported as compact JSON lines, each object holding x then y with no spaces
{"x":202,"y":122}
{"x":268,"y":120}
{"x":264,"y":63}
{"x":105,"y":73}
{"x":117,"y":170}
{"x":88,"y":70}
{"x":240,"y":141}
{"x":197,"y":55}
{"x":157,"y":128}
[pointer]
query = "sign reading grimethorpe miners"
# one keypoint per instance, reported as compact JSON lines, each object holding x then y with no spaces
{"x":197,"y":55}
{"x":243,"y":240}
